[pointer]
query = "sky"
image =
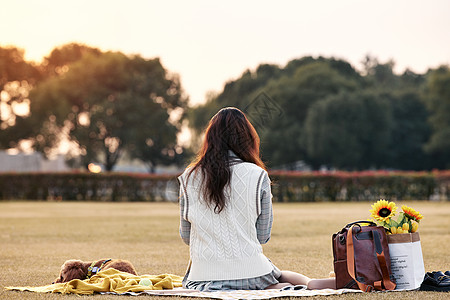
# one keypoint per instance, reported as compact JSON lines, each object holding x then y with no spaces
{"x":208,"y":43}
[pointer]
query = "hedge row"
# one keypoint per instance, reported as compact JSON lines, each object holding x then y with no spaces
{"x":88,"y":186}
{"x":287,"y":186}
{"x":360,"y":186}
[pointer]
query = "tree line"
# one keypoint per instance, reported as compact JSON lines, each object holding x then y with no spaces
{"x":323,"y":112}
{"x":320,"y":111}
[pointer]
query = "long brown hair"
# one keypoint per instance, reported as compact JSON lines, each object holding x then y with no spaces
{"x":229,"y":129}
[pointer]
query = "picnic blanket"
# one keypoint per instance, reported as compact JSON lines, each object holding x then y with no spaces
{"x":112,"y":281}
{"x":109,"y":280}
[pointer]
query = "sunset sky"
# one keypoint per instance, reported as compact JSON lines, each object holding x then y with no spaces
{"x":210,"y":42}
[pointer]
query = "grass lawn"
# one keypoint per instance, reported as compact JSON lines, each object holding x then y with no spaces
{"x":37,"y":237}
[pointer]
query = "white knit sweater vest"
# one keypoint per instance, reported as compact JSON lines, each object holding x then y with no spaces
{"x":224,"y":246}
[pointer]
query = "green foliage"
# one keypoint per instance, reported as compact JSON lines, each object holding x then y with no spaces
{"x":349,"y":131}
{"x":85,"y":186}
{"x":294,"y":88}
{"x":333,"y":115}
{"x":60,"y":59}
{"x":354,"y":186}
{"x":409,"y":132}
{"x":106,"y":104}
{"x":437,"y":97}
{"x":17,"y":77}
{"x":13,"y":67}
{"x":110,"y":103}
{"x":287,"y":186}
{"x":327,"y":113}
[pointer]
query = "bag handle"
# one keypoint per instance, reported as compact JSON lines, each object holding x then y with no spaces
{"x":388,"y":284}
{"x":358,"y":223}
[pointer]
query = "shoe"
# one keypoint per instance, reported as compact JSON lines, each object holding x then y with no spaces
{"x":443,"y":278}
{"x":447,"y":273}
{"x":435,"y":281}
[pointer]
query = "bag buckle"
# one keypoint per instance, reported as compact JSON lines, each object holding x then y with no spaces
{"x":369,"y":288}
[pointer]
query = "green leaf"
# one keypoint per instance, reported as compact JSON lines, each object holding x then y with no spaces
{"x":393,"y":223}
{"x":401,"y":219}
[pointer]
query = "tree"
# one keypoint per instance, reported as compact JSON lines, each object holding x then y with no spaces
{"x":17,"y":77}
{"x":60,"y":59}
{"x":410,"y":131}
{"x":289,"y":92}
{"x":109,"y":104}
{"x":437,"y":99}
{"x":380,"y":75}
{"x":283,"y":139}
{"x":349,"y":130}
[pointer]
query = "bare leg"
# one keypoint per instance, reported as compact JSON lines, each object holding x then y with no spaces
{"x":325,"y":283}
{"x":292,"y":278}
{"x":289,"y":278}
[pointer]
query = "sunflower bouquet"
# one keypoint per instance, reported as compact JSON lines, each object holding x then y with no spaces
{"x":383,"y":212}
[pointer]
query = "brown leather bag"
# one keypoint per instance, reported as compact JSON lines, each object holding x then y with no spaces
{"x":361,"y":258}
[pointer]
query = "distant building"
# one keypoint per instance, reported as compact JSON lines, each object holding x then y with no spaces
{"x":34,"y":162}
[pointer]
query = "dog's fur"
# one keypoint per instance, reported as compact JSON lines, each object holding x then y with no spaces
{"x":77,"y":269}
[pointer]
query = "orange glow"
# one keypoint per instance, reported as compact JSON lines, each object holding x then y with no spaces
{"x":93,"y":168}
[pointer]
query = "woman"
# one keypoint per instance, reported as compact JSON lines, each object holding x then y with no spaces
{"x":226,"y":212}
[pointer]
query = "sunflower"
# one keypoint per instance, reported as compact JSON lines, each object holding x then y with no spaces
{"x":383,"y":211}
{"x":411,"y":213}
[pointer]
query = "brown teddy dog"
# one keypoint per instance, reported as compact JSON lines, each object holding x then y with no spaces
{"x":77,"y":269}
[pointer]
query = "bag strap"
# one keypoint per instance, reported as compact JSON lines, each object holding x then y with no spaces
{"x":351,"y":262}
{"x":388,"y":284}
{"x":386,"y":281}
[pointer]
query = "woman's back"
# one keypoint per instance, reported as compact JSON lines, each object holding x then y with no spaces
{"x":225,"y":245}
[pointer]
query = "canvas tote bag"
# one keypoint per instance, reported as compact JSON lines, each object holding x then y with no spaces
{"x":406,"y":260}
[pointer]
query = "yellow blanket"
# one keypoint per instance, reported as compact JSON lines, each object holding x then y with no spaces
{"x":110,"y":280}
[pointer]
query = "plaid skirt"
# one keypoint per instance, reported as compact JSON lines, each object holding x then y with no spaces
{"x":255,"y":283}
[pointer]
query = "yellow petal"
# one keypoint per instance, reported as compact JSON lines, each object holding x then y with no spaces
{"x":414,"y":226}
{"x":405,"y":227}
